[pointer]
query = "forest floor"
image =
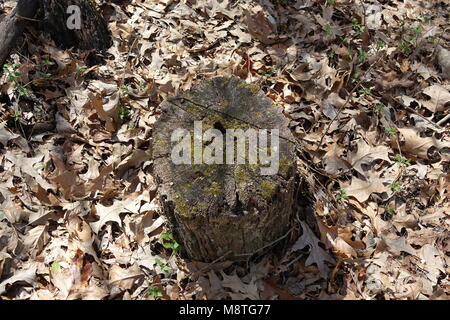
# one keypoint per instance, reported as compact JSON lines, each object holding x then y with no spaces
{"x":366,"y":85}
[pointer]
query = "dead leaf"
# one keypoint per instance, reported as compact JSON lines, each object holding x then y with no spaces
{"x":316,"y":254}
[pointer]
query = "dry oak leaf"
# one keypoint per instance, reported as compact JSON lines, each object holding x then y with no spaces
{"x":439,"y":98}
{"x":316,"y":254}
{"x":366,"y":154}
{"x":112,"y":213}
{"x":27,"y":275}
{"x":417,"y":146}
{"x":362,"y":189}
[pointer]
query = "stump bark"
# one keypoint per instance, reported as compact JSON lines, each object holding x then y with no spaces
{"x":229,"y":210}
{"x":92,"y":34}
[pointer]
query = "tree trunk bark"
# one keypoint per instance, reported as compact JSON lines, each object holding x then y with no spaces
{"x":228,"y":210}
{"x":11,"y":26}
{"x":92,"y":33}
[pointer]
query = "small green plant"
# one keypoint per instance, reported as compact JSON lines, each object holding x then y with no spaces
{"x":170,"y":243}
{"x":81,"y":70}
{"x":406,"y":47}
{"x":154,"y":292}
{"x":362,"y":55}
{"x":355,"y":77}
{"x":268,"y":71}
{"x":10,"y":69}
{"x":331,"y":54}
{"x":56,"y":267}
{"x":365,"y":91}
{"x":396,"y":186}
{"x":389,"y":211}
{"x":44,"y":74}
{"x":124,"y":114}
{"x":378,"y":107}
{"x":331,"y":2}
{"x":48,"y":62}
{"x":427,"y":20}
{"x":380,"y":45}
{"x":392,"y":132}
{"x":23,"y":92}
{"x":17,"y":116}
{"x":341,"y":195}
{"x":400,"y":160}
{"x":328,"y":29}
{"x":357,"y":27}
{"x":127,"y":87}
{"x":164,"y":267}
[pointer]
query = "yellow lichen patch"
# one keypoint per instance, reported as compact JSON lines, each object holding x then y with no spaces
{"x":215,"y":189}
{"x":284,"y":165}
{"x":253,"y":88}
{"x":267,"y":189}
{"x":160,"y":142}
{"x":258,"y":115}
{"x":224,"y":104}
{"x":241,"y":175}
{"x":182,"y":208}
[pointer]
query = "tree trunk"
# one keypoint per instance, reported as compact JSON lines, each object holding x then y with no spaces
{"x":92,"y":34}
{"x":228,"y":210}
{"x":11,"y":26}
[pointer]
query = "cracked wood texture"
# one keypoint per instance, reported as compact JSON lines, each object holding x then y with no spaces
{"x":224,"y":210}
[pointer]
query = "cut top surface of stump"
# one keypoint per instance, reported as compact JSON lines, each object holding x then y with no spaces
{"x":220,"y":189}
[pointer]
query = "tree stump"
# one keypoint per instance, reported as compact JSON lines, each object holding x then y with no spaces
{"x":226,"y":202}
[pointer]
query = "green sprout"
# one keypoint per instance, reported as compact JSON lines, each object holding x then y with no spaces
{"x":392,"y":132}
{"x":17,"y":116}
{"x":379,"y":107}
{"x":56,"y":267}
{"x":331,"y":54}
{"x":164,"y":267}
{"x":10,"y":69}
{"x":427,"y":20}
{"x":127,"y":87}
{"x":328,"y":29}
{"x":365,"y":91}
{"x":380,"y":45}
{"x":362,"y":55}
{"x":357,"y":27}
{"x":170,"y":243}
{"x":48,"y":62}
{"x":389,"y":211}
{"x":124,"y":114}
{"x":356,"y":77}
{"x":154,"y":292}
{"x":23,"y":92}
{"x":44,"y":75}
{"x":396,"y":186}
{"x":400,"y":160}
{"x":81,"y":70}
{"x":406,"y":47}
{"x":267,"y":72}
{"x":341,"y":195}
